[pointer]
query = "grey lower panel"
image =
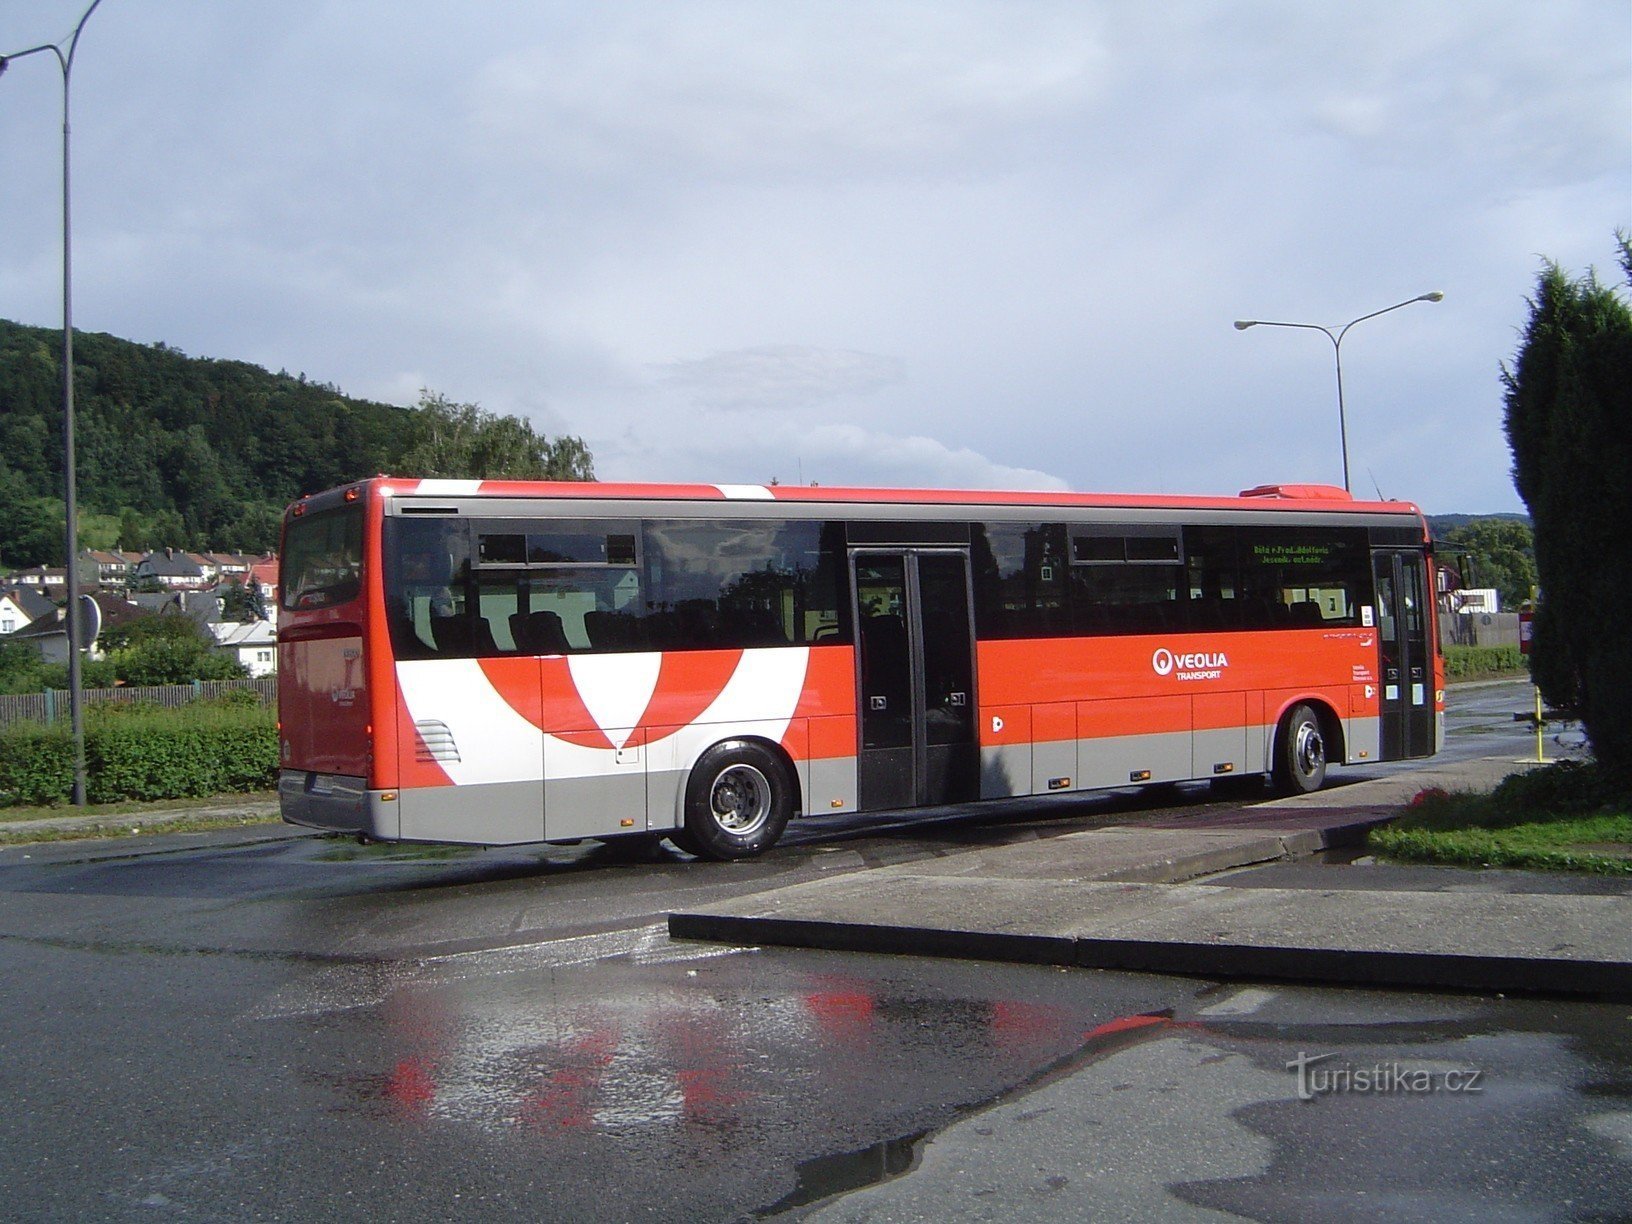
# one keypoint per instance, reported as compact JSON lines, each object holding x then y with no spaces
{"x":596,"y":807}
{"x":1363,"y":740}
{"x":830,"y":785}
{"x":480,"y":814}
{"x":1005,"y":770}
{"x":1260,"y":739}
{"x":1054,"y":766}
{"x":1218,"y":751}
{"x":665,"y":799}
{"x":1114,"y":760}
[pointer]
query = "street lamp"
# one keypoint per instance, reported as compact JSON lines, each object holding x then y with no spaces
{"x":1337,"y":351}
{"x":65,"y":61}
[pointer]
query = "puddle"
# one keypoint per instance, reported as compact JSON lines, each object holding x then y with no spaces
{"x":826,"y":1176}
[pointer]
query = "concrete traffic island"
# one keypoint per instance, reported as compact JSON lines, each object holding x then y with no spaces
{"x":1115,"y":898}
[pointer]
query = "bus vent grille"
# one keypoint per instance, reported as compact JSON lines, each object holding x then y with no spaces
{"x":435,"y":742}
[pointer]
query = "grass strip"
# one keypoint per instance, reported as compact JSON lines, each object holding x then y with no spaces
{"x":113,"y":827}
{"x":1566,"y":817}
{"x":133,"y":807}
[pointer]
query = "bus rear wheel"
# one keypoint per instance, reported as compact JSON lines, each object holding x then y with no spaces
{"x":1300,"y":753}
{"x":738,"y":800}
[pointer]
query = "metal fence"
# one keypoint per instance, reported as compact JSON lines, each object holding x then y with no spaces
{"x":53,"y":704}
{"x":1479,"y":629}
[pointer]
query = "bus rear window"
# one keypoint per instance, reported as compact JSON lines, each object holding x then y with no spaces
{"x":323,"y":559}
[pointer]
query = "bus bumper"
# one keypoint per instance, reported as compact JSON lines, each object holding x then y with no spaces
{"x":338,"y":803}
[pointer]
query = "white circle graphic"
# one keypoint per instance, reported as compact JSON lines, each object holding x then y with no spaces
{"x":1162,"y":661}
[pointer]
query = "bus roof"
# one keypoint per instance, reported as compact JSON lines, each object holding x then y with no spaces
{"x":1282,"y":497}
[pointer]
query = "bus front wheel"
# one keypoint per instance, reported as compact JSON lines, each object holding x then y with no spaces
{"x":738,"y":801}
{"x":1300,"y":754}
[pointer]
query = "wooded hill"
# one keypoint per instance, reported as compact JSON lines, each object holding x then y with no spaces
{"x":198,"y":453}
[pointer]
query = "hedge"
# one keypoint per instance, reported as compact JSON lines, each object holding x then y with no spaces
{"x":1468,"y":662}
{"x":142,"y":754}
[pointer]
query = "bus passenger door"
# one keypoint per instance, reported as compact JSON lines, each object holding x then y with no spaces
{"x":1406,"y":664}
{"x":915,"y":664}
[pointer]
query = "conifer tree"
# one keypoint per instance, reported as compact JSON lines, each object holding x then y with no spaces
{"x":1569,"y":423}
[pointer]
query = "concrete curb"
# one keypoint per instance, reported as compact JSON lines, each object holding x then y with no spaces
{"x":1326,"y":965}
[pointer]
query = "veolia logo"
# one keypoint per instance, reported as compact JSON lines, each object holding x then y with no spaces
{"x":1193,"y":665}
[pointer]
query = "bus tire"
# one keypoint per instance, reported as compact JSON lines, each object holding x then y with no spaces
{"x":1300,"y":752}
{"x":738,"y":800}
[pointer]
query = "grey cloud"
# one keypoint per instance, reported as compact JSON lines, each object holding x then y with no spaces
{"x":782,"y":377}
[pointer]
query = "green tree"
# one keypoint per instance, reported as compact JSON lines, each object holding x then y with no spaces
{"x":240,"y":603}
{"x":1569,"y":422}
{"x":466,"y":441}
{"x":31,"y":532}
{"x":1503,"y":552}
{"x":93,"y":673}
{"x":157,"y":627}
{"x":167,"y":649}
{"x":20,"y":668}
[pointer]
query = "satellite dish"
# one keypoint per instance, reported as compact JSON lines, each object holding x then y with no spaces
{"x":90,"y":621}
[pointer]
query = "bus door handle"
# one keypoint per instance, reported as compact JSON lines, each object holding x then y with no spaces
{"x":955,"y":699}
{"x":879,"y":703}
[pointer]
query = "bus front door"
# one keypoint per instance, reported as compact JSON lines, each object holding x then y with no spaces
{"x":915,"y":678}
{"x":1406,"y":665}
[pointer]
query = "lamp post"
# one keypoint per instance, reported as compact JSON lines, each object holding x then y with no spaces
{"x":65,"y":61}
{"x":1337,"y":352}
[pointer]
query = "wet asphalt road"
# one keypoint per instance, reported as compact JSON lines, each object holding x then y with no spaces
{"x":213,"y":1027}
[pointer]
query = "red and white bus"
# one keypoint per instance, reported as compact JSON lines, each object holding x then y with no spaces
{"x":500,"y":662}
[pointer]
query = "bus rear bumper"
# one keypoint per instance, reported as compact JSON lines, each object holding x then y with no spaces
{"x":336,"y":802}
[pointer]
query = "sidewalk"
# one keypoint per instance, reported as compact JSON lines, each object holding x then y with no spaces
{"x":1118,"y":898}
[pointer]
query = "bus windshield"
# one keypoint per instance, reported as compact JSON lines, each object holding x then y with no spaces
{"x":323,"y":559}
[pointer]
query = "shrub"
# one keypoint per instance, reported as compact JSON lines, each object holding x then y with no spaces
{"x":36,"y":764}
{"x":182,"y":754}
{"x":1466,"y":662}
{"x":1568,"y":788}
{"x":143,"y":754}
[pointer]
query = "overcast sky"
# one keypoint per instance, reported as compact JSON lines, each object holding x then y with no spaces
{"x":932,"y":243}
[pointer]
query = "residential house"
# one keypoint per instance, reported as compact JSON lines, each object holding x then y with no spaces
{"x":48,"y":633}
{"x":19,"y":606}
{"x":252,"y":643}
{"x":172,"y":570}
{"x":112,"y":567}
{"x":50,"y":581}
{"x":204,"y":607}
{"x":228,"y":566}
